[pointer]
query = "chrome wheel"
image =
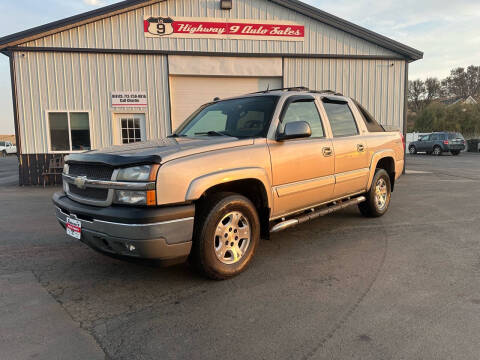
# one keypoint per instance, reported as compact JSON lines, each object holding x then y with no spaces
{"x":437,"y":151}
{"x":381,"y":194}
{"x":232,"y":238}
{"x":412,"y":150}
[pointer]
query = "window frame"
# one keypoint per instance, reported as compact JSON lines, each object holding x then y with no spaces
{"x":300,"y":98}
{"x":49,"y":141}
{"x":345,"y":102}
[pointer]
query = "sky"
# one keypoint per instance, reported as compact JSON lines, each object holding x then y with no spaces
{"x":447,"y":31}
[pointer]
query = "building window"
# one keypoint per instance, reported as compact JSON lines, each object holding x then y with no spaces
{"x":131,"y":130}
{"x":69,"y":131}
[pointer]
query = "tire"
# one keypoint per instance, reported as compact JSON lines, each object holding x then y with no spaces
{"x":437,"y":150}
{"x":412,"y":149}
{"x":373,"y":207}
{"x":4,"y":154}
{"x":217,"y":251}
{"x":455,"y":152}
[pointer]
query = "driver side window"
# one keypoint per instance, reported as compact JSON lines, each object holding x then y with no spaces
{"x":304,"y":111}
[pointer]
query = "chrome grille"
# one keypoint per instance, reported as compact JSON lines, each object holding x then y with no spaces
{"x":91,"y":171}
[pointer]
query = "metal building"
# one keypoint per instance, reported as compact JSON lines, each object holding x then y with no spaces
{"x":134,"y":70}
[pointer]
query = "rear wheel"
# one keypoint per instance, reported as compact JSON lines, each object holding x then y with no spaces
{"x":437,"y":150}
{"x":4,"y":153}
{"x":455,"y":152}
{"x":226,"y":235}
{"x":412,"y":149}
{"x":378,"y":197}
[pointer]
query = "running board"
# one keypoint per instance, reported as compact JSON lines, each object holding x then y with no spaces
{"x":316,"y":214}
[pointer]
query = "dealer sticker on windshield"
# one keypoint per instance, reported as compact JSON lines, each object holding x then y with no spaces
{"x":74,"y":228}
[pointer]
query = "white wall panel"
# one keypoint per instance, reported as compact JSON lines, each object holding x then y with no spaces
{"x":125,"y":31}
{"x":377,"y":84}
{"x":84,"y":82}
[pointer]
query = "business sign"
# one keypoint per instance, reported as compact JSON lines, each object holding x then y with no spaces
{"x":129,"y":99}
{"x":158,"y":27}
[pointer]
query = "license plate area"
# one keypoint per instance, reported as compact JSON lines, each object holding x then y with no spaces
{"x":74,"y":228}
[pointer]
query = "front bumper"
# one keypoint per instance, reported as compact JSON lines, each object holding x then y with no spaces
{"x":158,"y":233}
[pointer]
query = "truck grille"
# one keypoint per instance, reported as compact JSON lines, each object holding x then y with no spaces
{"x":95,"y":172}
{"x":89,"y":193}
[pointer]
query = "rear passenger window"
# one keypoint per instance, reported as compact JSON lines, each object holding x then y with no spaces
{"x":304,"y":110}
{"x":341,"y":118}
{"x":371,"y":124}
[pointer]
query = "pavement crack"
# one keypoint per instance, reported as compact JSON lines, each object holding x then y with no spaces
{"x":344,"y":318}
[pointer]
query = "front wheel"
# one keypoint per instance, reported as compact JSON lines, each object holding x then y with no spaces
{"x":412,"y":149}
{"x":227,"y":232}
{"x":378,"y":197}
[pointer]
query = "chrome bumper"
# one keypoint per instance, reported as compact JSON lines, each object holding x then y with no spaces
{"x":162,"y":240}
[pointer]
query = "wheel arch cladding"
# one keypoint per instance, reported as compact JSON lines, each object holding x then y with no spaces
{"x":254,"y":190}
{"x":388,"y":164}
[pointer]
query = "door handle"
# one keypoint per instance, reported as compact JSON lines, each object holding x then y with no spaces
{"x":327,"y":151}
{"x":360,"y":148}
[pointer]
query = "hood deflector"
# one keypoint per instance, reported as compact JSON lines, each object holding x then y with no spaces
{"x":112,"y":160}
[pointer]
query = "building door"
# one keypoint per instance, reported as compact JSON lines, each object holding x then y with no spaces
{"x":188,"y":93}
{"x":129,"y":128}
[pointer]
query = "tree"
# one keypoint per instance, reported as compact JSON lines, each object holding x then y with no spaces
{"x":463,"y":83}
{"x":416,"y":93}
{"x":433,"y":89}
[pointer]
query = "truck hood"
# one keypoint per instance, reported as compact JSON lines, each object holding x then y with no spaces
{"x":157,"y":151}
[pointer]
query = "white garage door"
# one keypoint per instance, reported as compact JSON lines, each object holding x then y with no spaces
{"x":188,"y":93}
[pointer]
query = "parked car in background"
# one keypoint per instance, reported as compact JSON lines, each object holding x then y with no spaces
{"x":7,"y":148}
{"x":438,"y":143}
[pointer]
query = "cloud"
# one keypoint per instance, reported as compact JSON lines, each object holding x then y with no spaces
{"x":446,"y":31}
{"x":92,"y":2}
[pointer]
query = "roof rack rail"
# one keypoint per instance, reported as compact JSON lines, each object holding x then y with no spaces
{"x":326,"y":92}
{"x":295,"y":88}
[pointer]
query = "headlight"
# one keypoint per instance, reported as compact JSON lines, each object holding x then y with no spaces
{"x":129,"y":197}
{"x":136,"y":173}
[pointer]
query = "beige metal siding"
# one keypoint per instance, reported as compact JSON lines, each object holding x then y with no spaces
{"x":84,"y":82}
{"x":125,"y":31}
{"x":379,"y":85}
{"x":190,"y":92}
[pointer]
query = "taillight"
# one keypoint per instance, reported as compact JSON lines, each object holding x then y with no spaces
{"x":445,"y":142}
{"x":404,"y":143}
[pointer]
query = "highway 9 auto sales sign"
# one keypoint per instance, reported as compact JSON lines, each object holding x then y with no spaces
{"x":158,"y":27}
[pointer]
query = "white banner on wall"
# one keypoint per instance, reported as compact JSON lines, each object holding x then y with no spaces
{"x":129,"y":99}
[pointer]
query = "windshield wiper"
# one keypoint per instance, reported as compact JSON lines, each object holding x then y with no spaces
{"x":213,"y":133}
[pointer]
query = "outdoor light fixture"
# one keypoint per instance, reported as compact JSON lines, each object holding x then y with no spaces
{"x":226,"y":4}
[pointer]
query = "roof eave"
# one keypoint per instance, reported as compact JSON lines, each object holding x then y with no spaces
{"x":408,"y":52}
{"x":70,"y":22}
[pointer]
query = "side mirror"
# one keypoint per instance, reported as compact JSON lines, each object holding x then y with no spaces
{"x":295,"y":130}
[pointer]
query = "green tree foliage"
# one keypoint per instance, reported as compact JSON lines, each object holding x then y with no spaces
{"x":459,"y":118}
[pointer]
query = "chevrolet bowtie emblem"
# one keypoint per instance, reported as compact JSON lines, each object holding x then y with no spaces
{"x":80,"y":182}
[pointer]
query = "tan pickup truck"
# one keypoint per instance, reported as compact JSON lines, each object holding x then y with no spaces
{"x":233,"y":172}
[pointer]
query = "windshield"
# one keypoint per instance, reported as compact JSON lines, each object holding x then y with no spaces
{"x":242,"y":118}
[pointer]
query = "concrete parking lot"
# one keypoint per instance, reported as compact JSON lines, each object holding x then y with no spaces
{"x":405,"y":286}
